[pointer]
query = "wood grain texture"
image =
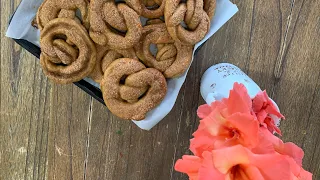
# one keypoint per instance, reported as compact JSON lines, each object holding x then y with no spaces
{"x":24,"y":112}
{"x":49,"y":131}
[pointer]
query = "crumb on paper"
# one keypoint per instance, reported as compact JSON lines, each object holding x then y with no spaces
{"x":34,"y":23}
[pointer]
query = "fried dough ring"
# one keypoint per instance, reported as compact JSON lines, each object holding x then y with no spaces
{"x":148,"y":8}
{"x":210,"y":7}
{"x":108,"y":21}
{"x":51,"y":9}
{"x":67,"y":52}
{"x":141,"y":91}
{"x":105,"y":56}
{"x":192,"y":13}
{"x":172,"y":58}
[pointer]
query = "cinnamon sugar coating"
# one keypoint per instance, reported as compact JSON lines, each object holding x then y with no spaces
{"x":148,"y":8}
{"x":172,"y":58}
{"x":51,"y":9}
{"x":192,"y":13}
{"x":105,"y":40}
{"x":68,"y":54}
{"x":210,"y":7}
{"x":105,"y":56}
{"x":115,"y":25}
{"x":130,"y":90}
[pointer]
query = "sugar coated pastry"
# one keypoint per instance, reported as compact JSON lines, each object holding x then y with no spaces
{"x":210,"y":7}
{"x":172,"y":58}
{"x":51,"y":9}
{"x":148,"y":8}
{"x":105,"y":41}
{"x":149,"y":3}
{"x":105,"y":56}
{"x":115,"y":25}
{"x":192,"y":13}
{"x":68,"y":54}
{"x":130,"y":90}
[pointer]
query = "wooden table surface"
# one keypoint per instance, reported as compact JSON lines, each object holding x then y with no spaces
{"x":50,"y":131}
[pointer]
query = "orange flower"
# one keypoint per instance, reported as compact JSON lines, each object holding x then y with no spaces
{"x":235,"y":141}
{"x":297,"y":172}
{"x":239,"y":163}
{"x":198,"y":168}
{"x":189,"y":165}
{"x":238,"y":102}
{"x":215,"y":133}
{"x":226,"y":123}
{"x":263,"y":107}
{"x":289,"y":149}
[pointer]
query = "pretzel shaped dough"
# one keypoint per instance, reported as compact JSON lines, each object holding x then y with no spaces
{"x":172,"y":58}
{"x":130,"y":90}
{"x":67,"y":52}
{"x":115,"y":25}
{"x":148,"y":8}
{"x":210,"y":7}
{"x":192,"y":13}
{"x":51,"y":9}
{"x":105,"y":56}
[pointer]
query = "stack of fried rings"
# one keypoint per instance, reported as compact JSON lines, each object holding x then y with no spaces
{"x":106,"y":41}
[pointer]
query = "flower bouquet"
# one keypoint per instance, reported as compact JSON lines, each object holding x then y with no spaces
{"x":235,"y":141}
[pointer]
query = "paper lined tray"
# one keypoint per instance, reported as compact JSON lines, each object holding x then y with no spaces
{"x":28,"y":38}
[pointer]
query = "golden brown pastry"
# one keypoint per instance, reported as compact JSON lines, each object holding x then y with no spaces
{"x":108,"y":42}
{"x":51,"y":9}
{"x":210,"y":7}
{"x":148,"y":8}
{"x":105,"y":56}
{"x":68,"y":54}
{"x":130,"y":90}
{"x":149,"y":3}
{"x":192,"y":13}
{"x":172,"y":58}
{"x":115,"y":25}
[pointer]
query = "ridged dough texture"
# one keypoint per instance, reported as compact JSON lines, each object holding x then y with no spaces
{"x":172,"y":58}
{"x":141,"y":91}
{"x":68,"y":54}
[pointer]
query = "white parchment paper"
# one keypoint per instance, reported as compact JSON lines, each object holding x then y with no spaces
{"x":20,"y":28}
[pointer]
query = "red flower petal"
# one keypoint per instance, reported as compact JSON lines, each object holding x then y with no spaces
{"x":201,"y":144}
{"x":204,"y":111}
{"x":239,"y":100}
{"x":272,"y":166}
{"x":226,"y":158}
{"x":271,"y":109}
{"x":289,"y":149}
{"x":208,"y":171}
{"x":264,"y":146}
{"x":248,"y":128}
{"x":189,"y":165}
{"x":258,"y":101}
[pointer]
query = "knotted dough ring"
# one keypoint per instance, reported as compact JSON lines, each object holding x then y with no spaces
{"x":105,"y":56}
{"x":148,"y":8}
{"x":51,"y":9}
{"x":210,"y":7}
{"x":172,"y":58}
{"x":68,"y":54}
{"x":117,"y":26}
{"x":130,"y":90}
{"x":192,"y":13}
